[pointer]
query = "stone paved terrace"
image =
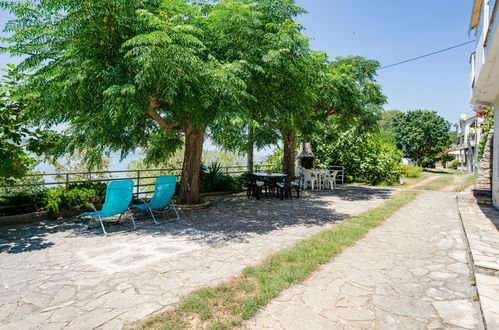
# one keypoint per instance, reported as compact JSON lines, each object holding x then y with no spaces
{"x":57,"y":274}
{"x":482,"y":224}
{"x":411,"y":272}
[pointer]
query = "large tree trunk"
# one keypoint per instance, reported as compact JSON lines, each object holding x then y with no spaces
{"x":190,"y":185}
{"x":289,"y":146}
{"x":250,"y":146}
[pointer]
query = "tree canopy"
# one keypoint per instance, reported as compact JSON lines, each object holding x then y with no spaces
{"x":162,"y":74}
{"x":420,"y":134}
{"x":19,"y":142}
{"x":127,"y":74}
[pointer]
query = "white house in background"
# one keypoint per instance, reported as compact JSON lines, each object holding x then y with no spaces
{"x":485,"y":71}
{"x":468,"y":135}
{"x":408,"y":161}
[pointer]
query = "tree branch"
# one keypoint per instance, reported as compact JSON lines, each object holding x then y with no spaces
{"x":326,"y":111}
{"x":167,"y":126}
{"x":331,"y":111}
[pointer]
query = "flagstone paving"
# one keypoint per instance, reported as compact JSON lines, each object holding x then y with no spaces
{"x":412,"y":272}
{"x":481,"y":224}
{"x":57,"y":274}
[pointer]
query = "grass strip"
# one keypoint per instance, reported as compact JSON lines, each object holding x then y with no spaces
{"x":228,"y":305}
{"x":466,"y":182}
{"x":437,"y":184}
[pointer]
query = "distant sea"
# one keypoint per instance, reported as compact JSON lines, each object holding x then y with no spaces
{"x":120,"y":165}
{"x":115,"y":165}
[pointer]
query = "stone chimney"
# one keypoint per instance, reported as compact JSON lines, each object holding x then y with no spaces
{"x":306,"y":157}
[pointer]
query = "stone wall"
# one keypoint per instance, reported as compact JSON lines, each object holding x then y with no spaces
{"x":484,"y":183}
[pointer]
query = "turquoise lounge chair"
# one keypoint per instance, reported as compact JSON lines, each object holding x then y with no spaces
{"x":118,"y":197}
{"x":164,"y":188}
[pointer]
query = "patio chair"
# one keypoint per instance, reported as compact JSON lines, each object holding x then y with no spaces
{"x":308,"y":178}
{"x":164,"y":188}
{"x":281,"y":191}
{"x":118,"y":196}
{"x":255,"y":187}
{"x":330,"y":180}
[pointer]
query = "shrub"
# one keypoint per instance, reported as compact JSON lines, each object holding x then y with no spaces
{"x":455,"y":164}
{"x":73,"y":197}
{"x":445,"y":158}
{"x":411,"y":171}
{"x":367,"y":157}
{"x":213,"y":178}
{"x":241,"y":181}
{"x":21,"y":202}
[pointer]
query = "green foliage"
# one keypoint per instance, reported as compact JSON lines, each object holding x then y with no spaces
{"x":106,"y":59}
{"x":20,"y":202}
{"x":387,"y":119}
{"x":421,"y":134}
{"x":18,"y":142}
{"x":367,"y":157}
{"x":455,"y":164}
{"x":142,"y":73}
{"x":274,"y":160}
{"x":347,"y":89}
{"x":445,"y":157}
{"x":452,"y":138}
{"x":73,"y":197}
{"x":215,"y":178}
{"x":411,"y":171}
{"x":487,"y":113}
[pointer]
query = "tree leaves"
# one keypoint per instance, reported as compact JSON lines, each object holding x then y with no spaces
{"x":18,"y":142}
{"x":423,"y":134}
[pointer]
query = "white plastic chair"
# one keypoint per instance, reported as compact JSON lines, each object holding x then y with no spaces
{"x":330,"y":180}
{"x":308,"y":178}
{"x":321,"y":177}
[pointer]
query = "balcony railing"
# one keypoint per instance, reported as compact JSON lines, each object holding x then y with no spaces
{"x":143,"y":179}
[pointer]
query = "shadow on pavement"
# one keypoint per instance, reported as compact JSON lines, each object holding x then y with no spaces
{"x":232,"y":218}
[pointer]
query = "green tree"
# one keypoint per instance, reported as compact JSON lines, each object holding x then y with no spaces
{"x":263,"y":34}
{"x":421,"y":134}
{"x":274,"y":160}
{"x":387,"y":119}
{"x":348,"y":101}
{"x":19,"y":142}
{"x":368,"y":155}
{"x":125,"y":74}
{"x":452,"y":138}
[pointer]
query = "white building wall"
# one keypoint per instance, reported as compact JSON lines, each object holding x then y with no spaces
{"x":485,"y":80}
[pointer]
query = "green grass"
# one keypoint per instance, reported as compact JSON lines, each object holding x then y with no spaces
{"x":408,"y":182}
{"x":438,"y":183}
{"x":231,"y":303}
{"x":468,"y":181}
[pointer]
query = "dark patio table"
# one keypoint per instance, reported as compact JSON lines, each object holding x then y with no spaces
{"x":270,"y":179}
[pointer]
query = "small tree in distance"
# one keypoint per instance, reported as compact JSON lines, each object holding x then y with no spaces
{"x":421,"y":134}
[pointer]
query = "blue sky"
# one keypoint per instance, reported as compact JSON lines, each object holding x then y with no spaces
{"x":391,"y":31}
